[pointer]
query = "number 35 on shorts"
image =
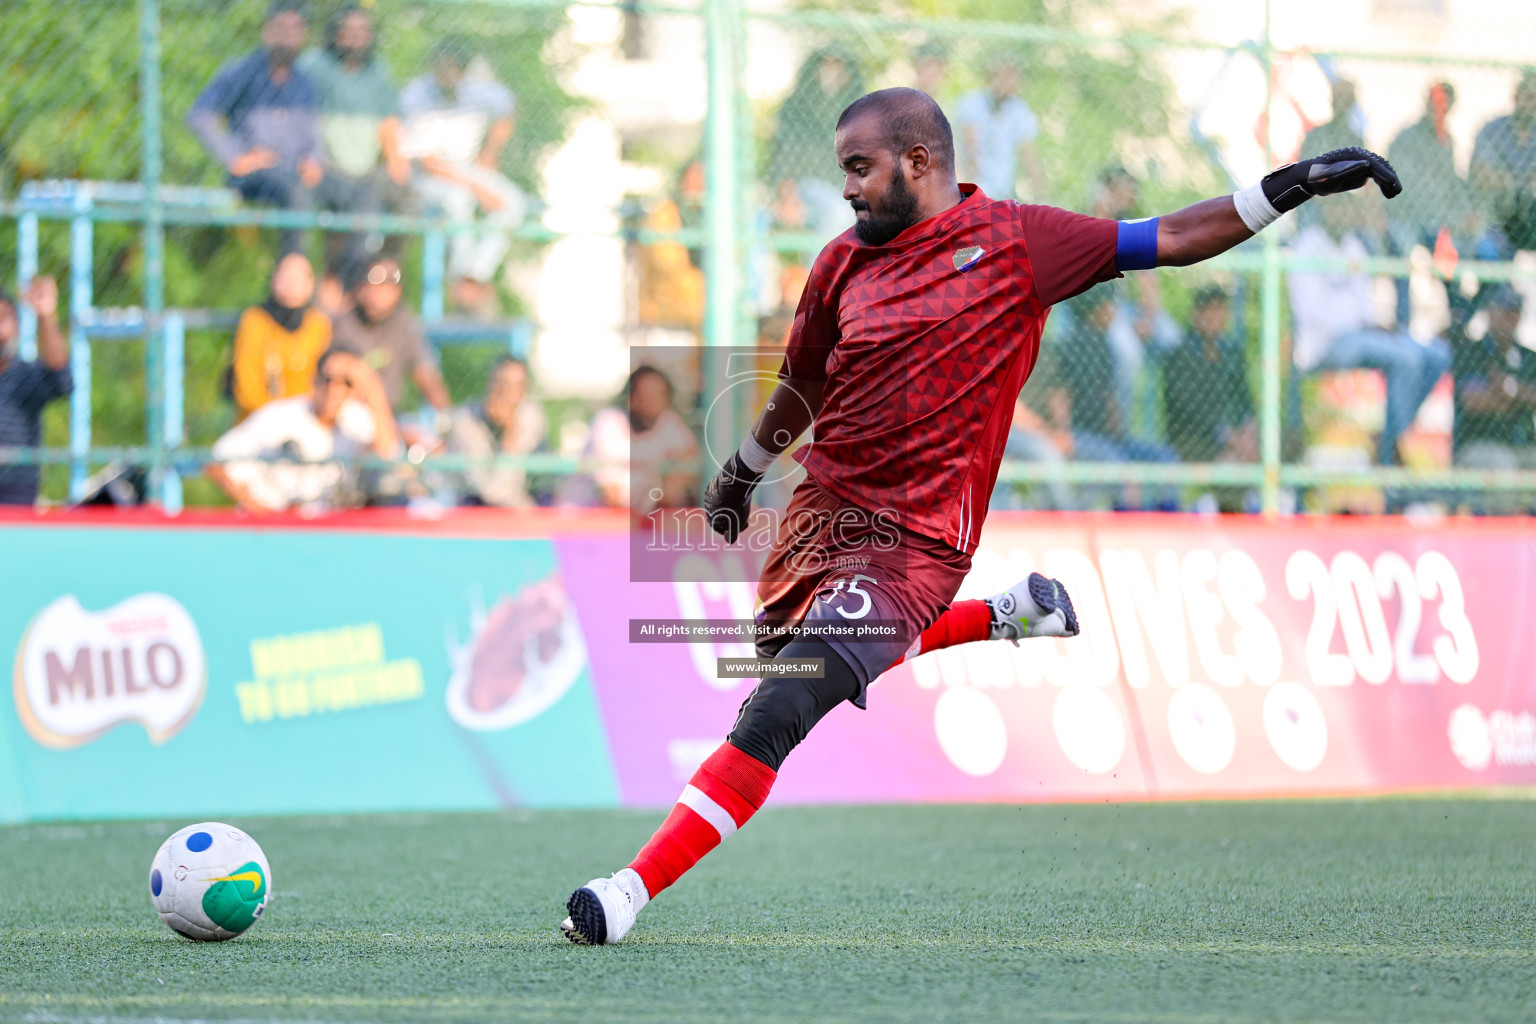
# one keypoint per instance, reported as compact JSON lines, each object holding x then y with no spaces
{"x":849,"y":598}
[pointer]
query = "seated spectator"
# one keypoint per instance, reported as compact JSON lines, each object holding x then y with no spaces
{"x":930,"y":67}
{"x":1082,"y":402}
{"x":455,"y":128}
{"x":647,"y":450}
{"x":25,"y":387}
{"x":995,"y":132}
{"x":1336,"y":327}
{"x":1503,"y":173}
{"x":1032,"y":439}
{"x":258,"y":117}
{"x":278,"y":343}
{"x":345,"y":416}
{"x":1496,"y":392}
{"x":359,"y":111}
{"x":1425,"y":154}
{"x":387,"y":335}
{"x":505,"y":422}
{"x":1206,"y":401}
{"x":359,"y":124}
{"x":806,"y":185}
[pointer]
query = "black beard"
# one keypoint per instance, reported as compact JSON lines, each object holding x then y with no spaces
{"x":351,"y":54}
{"x":282,"y":56}
{"x":896,"y":213}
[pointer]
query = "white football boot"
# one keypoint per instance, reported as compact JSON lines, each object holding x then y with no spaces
{"x":603,"y":911}
{"x":1033,"y":607}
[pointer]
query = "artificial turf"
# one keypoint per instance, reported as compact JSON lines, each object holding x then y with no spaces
{"x":1376,"y":910}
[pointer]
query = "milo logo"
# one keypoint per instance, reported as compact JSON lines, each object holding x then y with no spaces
{"x":79,"y":673}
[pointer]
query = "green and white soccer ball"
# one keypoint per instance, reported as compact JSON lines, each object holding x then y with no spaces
{"x":210,"y":882}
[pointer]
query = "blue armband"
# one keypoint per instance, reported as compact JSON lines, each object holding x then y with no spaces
{"x":1136,"y":248}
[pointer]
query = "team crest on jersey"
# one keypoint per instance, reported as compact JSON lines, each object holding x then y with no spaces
{"x":968,"y":257}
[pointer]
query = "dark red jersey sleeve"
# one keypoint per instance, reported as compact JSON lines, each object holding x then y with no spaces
{"x":814,"y":333}
{"x":1069,"y":252}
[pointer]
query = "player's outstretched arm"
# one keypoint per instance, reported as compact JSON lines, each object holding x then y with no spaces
{"x":789,"y":412}
{"x":1211,"y":227}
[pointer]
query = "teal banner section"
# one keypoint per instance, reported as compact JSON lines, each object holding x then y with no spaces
{"x":249,"y":671}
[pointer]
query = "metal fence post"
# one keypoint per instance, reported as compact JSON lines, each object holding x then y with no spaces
{"x":81,"y":259}
{"x":722,"y":212}
{"x":1269,"y":315}
{"x":173,"y":330}
{"x":26,"y":270}
{"x":158,"y":378}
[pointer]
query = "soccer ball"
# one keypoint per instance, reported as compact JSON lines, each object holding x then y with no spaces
{"x":209,"y":882}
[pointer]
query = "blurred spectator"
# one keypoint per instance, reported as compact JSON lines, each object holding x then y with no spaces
{"x":1031,"y":438}
{"x":1424,"y":153}
{"x":1141,"y":330}
{"x":995,"y":132}
{"x":1082,"y":402}
{"x":279,"y":343}
{"x":807,"y":183}
{"x":1496,"y":392}
{"x":455,"y":128}
{"x":1504,"y":172}
{"x":359,"y":116}
{"x":1336,"y":326}
{"x":505,"y":422}
{"x":25,"y":387}
{"x":1342,"y":130}
{"x":259,"y":118}
{"x":930,"y":67}
{"x":1206,"y":401}
{"x":671,"y":292}
{"x":649,"y":454}
{"x":345,"y":416}
{"x":387,"y":335}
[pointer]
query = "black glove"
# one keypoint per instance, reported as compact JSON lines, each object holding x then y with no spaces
{"x":728,"y":498}
{"x":1342,"y":170}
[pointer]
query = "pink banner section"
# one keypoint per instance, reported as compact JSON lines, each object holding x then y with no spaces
{"x":1218,"y":658}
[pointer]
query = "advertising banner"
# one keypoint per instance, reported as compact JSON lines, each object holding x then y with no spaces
{"x":478,"y":663}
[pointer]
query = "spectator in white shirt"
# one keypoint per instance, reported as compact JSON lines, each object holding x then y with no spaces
{"x":347,"y":415}
{"x":997,"y":131}
{"x":647,"y":450}
{"x":454,"y":128}
{"x":1336,"y":327}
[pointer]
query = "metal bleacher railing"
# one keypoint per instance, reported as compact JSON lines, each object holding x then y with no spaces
{"x":733,"y":233}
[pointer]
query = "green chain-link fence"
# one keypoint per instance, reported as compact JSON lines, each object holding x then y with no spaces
{"x":596,"y":186}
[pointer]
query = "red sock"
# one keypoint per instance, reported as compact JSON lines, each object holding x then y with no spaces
{"x":727,"y":790}
{"x":962,"y":623}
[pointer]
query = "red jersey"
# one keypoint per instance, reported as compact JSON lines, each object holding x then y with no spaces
{"x":924,"y":344}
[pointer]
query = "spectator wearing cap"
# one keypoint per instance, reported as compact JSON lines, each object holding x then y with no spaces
{"x":1496,"y":391}
{"x":278,"y":344}
{"x":1503,"y":171}
{"x":344,"y":416}
{"x":1337,"y":329}
{"x":506,"y":421}
{"x":996,"y":133}
{"x":387,"y":335}
{"x":259,"y":117}
{"x":27,"y":386}
{"x":1207,"y":403}
{"x":455,"y":127}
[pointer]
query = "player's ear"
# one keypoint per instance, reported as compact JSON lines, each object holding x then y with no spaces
{"x":920,"y":159}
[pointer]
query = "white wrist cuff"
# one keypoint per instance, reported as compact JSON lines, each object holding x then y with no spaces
{"x":1255,"y":209}
{"x":754,"y":456}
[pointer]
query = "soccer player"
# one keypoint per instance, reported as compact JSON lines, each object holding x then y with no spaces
{"x":916,"y":330}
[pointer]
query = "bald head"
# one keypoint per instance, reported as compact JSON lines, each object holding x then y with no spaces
{"x":906,"y":118}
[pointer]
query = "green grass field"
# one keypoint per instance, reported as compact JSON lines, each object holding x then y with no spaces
{"x":1382,"y":910}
